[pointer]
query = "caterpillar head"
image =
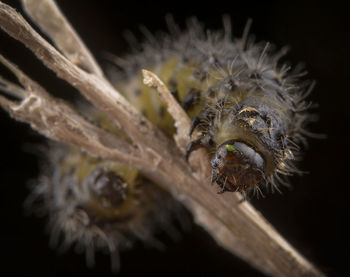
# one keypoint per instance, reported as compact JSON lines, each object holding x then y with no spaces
{"x":107,"y":189}
{"x":236,"y":166}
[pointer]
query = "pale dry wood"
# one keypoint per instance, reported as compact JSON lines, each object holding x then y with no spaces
{"x":50,"y":19}
{"x":98,"y":91}
{"x":237,"y":227}
{"x":182,"y":122}
{"x":57,"y":120}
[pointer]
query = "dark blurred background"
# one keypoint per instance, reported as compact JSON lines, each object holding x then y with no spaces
{"x":313,"y":216}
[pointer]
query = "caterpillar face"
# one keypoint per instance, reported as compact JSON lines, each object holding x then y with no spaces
{"x":236,"y":166}
{"x":250,"y":124}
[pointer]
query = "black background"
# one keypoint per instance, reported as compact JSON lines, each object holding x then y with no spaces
{"x":313,"y":216}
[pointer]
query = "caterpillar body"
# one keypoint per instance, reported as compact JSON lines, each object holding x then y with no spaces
{"x":249,"y":109}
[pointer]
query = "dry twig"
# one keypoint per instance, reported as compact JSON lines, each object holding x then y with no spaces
{"x":61,"y":33}
{"x":236,"y":227}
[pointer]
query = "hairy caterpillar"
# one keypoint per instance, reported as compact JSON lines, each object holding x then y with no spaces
{"x":99,"y":204}
{"x":237,"y":147}
{"x":250,"y":110}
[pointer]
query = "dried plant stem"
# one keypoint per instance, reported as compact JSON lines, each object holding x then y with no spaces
{"x":237,"y":227}
{"x":52,"y":22}
{"x":182,"y":122}
{"x":57,"y":120}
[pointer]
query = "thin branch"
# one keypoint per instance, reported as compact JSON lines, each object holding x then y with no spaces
{"x":237,"y":227}
{"x":52,"y":22}
{"x":182,"y":122}
{"x":58,"y":121}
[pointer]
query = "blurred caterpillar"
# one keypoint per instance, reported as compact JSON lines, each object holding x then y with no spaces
{"x":103,"y":205}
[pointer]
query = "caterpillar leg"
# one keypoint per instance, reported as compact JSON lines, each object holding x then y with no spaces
{"x":190,"y":100}
{"x":202,"y":142}
{"x":174,"y":92}
{"x":195,"y":122}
